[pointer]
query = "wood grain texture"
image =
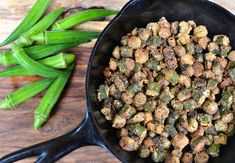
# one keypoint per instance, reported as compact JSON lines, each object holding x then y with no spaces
{"x":16,"y":126}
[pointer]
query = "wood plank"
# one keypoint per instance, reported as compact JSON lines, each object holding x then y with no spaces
{"x":16,"y":126}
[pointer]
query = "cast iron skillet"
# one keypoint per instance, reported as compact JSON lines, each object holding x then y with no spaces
{"x":94,"y":129}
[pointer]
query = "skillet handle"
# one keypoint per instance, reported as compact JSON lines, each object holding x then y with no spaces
{"x":53,"y":150}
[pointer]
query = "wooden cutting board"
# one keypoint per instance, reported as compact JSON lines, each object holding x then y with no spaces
{"x":16,"y":130}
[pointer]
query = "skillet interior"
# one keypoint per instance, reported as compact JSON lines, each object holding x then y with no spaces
{"x":138,"y":13}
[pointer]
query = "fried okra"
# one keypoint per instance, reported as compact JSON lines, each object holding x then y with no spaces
{"x":169,"y":91}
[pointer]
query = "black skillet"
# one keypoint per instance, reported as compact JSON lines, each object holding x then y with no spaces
{"x":94,"y":130}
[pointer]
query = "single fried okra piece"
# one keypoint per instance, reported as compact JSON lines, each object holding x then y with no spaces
{"x":227,"y":98}
{"x":127,"y":97}
{"x":126,"y":65}
{"x":153,"y":89}
{"x":174,"y":27}
{"x":140,"y":99}
{"x":214,"y":150}
{"x":171,"y":130}
{"x":134,"y":42}
{"x":107,"y":110}
{"x":153,"y":64}
{"x":161,"y":112}
{"x":189,"y":104}
{"x":173,"y":116}
{"x":201,"y":157}
{"x":150,"y":106}
{"x":212,"y":84}
{"x":187,"y":158}
{"x":231,"y":130}
{"x":135,"y":87}
{"x":154,"y":41}
{"x":224,"y":50}
{"x":171,"y":76}
{"x":204,"y":119}
{"x":148,"y":117}
{"x":184,"y":27}
{"x":208,"y":139}
{"x":192,"y":125}
{"x":221,"y":138}
{"x":139,"y":117}
{"x":128,"y":144}
{"x":127,"y":111}
{"x":153,"y":27}
{"x":213,"y":48}
{"x":197,"y":144}
{"x":144,"y":151}
{"x":184,"y":38}
{"x":118,"y":121}
{"x":176,"y":104}
{"x":203,"y":42}
{"x":180,"y":141}
{"x":221,"y":126}
{"x":124,"y":52}
{"x":184,"y":94}
{"x":198,"y":69}
{"x":200,"y":31}
{"x":117,"y":104}
{"x":141,"y":56}
{"x":116,"y":52}
{"x":103,"y":92}
{"x":157,"y":155}
{"x":112,"y":64}
{"x":166,"y":96}
{"x":210,"y":107}
{"x":221,"y":40}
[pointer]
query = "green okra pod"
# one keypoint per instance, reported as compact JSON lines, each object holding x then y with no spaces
{"x":81,"y":17}
{"x":14,"y":99}
{"x":15,"y":71}
{"x":32,"y":17}
{"x":58,"y":37}
{"x":42,"y":25}
{"x":33,"y":66}
{"x":38,"y":52}
{"x":59,"y":61}
{"x":42,"y":113}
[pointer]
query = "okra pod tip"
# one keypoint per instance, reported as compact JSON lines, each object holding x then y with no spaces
{"x":39,"y":120}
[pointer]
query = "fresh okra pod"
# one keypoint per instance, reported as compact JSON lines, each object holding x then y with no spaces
{"x":42,"y":113}
{"x":59,"y":61}
{"x":33,"y":16}
{"x":12,"y":100}
{"x":38,"y":52}
{"x":45,"y":23}
{"x":58,"y":37}
{"x":33,"y":66}
{"x":81,"y":17}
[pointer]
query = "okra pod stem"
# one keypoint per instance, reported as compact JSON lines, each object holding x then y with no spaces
{"x":33,"y":66}
{"x":32,"y":17}
{"x":12,"y":100}
{"x":42,"y":25}
{"x":81,"y":17}
{"x":42,"y":113}
{"x":58,"y":37}
{"x":59,"y":61}
{"x":38,"y":52}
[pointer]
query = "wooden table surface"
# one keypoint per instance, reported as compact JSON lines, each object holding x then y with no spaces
{"x":16,"y":130}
